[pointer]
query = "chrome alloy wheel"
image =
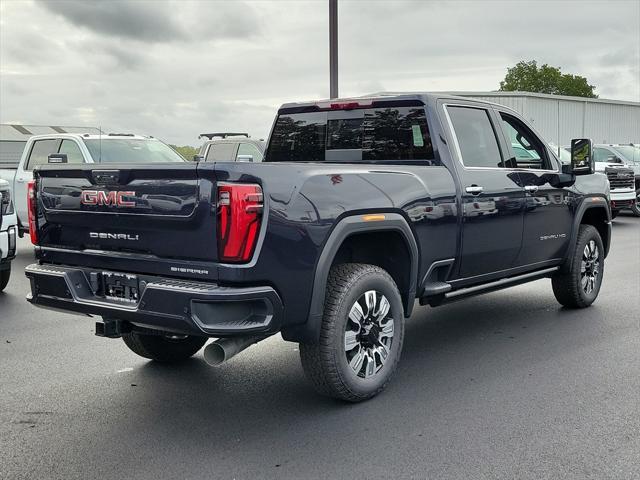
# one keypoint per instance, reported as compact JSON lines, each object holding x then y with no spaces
{"x":368,"y":334}
{"x":590,"y":267}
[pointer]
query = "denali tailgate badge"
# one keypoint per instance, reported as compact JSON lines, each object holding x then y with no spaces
{"x":114,"y":236}
{"x":102,"y":197}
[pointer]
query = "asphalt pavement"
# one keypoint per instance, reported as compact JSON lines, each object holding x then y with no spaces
{"x":505,"y":385}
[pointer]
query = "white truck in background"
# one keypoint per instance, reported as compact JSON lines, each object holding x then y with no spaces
{"x":617,"y":162}
{"x":79,"y":148}
{"x":8,"y":232}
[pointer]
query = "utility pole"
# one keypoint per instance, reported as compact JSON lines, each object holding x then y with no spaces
{"x":333,"y":48}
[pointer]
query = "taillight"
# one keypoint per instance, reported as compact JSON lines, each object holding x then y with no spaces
{"x":239,"y":217}
{"x":32,"y":207}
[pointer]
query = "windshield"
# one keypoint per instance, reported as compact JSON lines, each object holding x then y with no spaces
{"x":131,"y":150}
{"x":629,"y":153}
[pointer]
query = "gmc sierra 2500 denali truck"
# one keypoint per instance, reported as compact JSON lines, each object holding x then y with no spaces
{"x":360,"y":207}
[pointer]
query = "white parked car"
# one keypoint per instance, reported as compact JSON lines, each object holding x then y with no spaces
{"x":8,"y":231}
{"x":80,"y":148}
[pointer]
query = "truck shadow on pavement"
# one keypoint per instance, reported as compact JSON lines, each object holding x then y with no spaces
{"x":450,"y":347}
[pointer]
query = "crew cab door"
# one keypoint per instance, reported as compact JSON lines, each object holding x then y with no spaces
{"x":492,"y":199}
{"x":547,"y":217}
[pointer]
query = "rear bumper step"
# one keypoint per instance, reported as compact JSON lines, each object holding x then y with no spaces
{"x":191,"y":308}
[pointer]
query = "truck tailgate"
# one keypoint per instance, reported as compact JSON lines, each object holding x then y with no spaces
{"x":158,"y":210}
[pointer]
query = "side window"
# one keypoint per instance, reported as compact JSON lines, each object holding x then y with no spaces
{"x":249,"y":149}
{"x":601,"y":154}
{"x":221,"y":152}
{"x":476,"y":137}
{"x":74,"y":155}
{"x":528,"y":149}
{"x":40,"y":152}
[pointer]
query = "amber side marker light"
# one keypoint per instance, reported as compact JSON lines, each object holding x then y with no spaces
{"x":373,"y":218}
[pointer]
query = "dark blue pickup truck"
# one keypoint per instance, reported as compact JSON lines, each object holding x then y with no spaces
{"x":360,"y":207}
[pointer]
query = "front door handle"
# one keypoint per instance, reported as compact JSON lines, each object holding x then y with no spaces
{"x":474,"y":189}
{"x":531,"y":188}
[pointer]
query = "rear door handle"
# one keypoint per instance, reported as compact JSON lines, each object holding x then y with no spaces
{"x":474,"y":189}
{"x":531,"y":188}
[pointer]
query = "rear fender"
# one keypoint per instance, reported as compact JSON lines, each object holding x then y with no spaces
{"x":310,"y":331}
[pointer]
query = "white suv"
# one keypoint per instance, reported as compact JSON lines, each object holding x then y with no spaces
{"x":8,"y":232}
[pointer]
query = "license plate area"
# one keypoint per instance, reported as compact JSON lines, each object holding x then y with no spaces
{"x":120,"y":286}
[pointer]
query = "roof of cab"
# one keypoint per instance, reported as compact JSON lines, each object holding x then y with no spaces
{"x":423,"y":97}
{"x":92,"y":136}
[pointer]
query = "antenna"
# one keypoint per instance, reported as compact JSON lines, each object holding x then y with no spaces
{"x":100,"y":144}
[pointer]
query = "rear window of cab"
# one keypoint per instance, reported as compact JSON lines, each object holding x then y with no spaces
{"x":380,"y":135}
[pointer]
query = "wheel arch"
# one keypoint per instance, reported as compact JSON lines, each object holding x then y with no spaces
{"x":356,"y":231}
{"x":595,"y":212}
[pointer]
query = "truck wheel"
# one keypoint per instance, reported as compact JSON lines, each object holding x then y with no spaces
{"x":614,"y":213}
{"x":578,"y":286}
{"x":635,"y":207}
{"x":361,"y":334}
{"x":4,"y":278}
{"x":163,"y":348}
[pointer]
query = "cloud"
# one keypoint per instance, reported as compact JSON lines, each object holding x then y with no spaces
{"x":174,"y":69}
{"x":158,"y":21}
{"x":141,"y":21}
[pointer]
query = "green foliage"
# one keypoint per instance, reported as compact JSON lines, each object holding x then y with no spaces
{"x":186,"y":151}
{"x":528,"y":77}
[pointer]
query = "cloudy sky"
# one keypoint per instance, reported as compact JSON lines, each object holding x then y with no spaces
{"x":174,"y":69}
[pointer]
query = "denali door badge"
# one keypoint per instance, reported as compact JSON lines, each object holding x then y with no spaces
{"x":112,"y":198}
{"x":114,"y":236}
{"x":555,"y":236}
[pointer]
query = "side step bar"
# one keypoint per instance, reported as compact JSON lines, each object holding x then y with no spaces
{"x":487,"y":287}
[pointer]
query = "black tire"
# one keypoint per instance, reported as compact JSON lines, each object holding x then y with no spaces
{"x":614,"y":213}
{"x":163,"y":348}
{"x":327,"y":363}
{"x":635,"y":207}
{"x":568,"y":286}
{"x":5,"y":275}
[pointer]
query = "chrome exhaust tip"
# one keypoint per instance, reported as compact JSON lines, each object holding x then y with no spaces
{"x":223,"y":349}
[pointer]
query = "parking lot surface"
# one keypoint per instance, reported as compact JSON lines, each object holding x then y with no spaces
{"x":505,"y":385}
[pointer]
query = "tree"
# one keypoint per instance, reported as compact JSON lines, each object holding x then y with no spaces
{"x":528,"y":77}
{"x":186,"y":151}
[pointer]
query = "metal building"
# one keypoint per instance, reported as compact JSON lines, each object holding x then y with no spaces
{"x":560,"y":118}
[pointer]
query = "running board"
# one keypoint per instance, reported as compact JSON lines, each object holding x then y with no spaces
{"x":488,"y":287}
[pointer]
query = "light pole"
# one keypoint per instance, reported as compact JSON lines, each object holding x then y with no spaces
{"x":333,"y":48}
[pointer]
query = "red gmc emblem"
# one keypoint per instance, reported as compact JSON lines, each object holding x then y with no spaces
{"x":112,"y":199}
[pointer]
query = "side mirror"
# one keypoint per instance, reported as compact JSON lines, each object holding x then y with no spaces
{"x":198,"y":158}
{"x":244,"y":158}
{"x":582,"y":157}
{"x":57,"y":158}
